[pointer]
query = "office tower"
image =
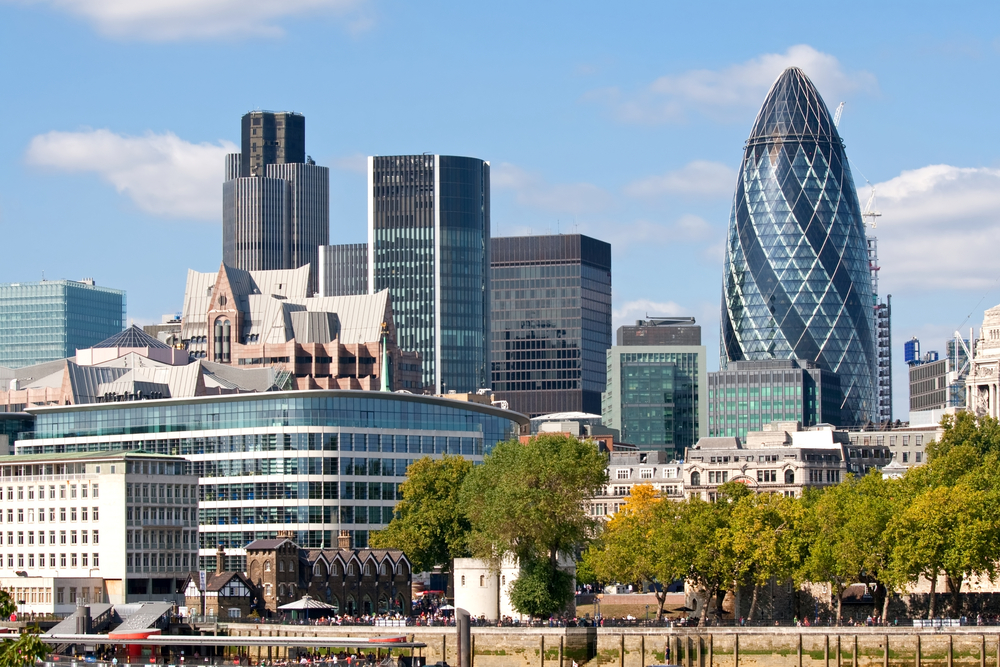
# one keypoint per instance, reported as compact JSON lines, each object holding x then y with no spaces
{"x":937,"y":383}
{"x":654,"y":394}
{"x":50,"y":320}
{"x":883,"y":339}
{"x":551,"y":322}
{"x":429,"y":245}
{"x":271,"y":138}
{"x":276,"y":200}
{"x":796,"y":283}
{"x":343,"y":269}
{"x":750,"y":394}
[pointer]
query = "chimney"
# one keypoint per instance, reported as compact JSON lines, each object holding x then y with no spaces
{"x":344,"y":540}
{"x":220,"y":560}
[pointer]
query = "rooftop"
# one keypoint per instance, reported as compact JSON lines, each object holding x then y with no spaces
{"x":132,"y":337}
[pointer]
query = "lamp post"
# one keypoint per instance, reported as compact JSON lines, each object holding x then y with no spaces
{"x":647,"y":613}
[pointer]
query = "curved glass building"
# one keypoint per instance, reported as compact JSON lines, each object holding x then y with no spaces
{"x":797,"y":283}
{"x":311,"y":462}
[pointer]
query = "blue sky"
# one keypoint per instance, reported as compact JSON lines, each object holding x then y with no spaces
{"x":625,"y":121}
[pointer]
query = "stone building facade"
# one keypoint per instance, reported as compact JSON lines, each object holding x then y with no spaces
{"x":353,"y":581}
{"x":982,"y":384}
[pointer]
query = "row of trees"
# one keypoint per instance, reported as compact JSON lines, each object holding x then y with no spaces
{"x":939,"y":519}
{"x":525,"y":502}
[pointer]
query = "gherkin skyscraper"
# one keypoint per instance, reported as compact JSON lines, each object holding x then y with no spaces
{"x":797,"y":283}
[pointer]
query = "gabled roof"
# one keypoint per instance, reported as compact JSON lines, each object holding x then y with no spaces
{"x":132,"y":337}
{"x":268,"y":545}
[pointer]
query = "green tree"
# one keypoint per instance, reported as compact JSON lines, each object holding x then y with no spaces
{"x":538,"y":591}
{"x":834,"y":555}
{"x":23,"y":652}
{"x":624,"y":554}
{"x":692,"y":543}
{"x":430,"y":525}
{"x":980,"y":433}
{"x":765,"y":541}
{"x":527,"y":501}
{"x":950,"y":530}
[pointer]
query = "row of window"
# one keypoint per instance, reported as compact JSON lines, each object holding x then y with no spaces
{"x":161,"y":562}
{"x":827,"y":476}
{"x":92,"y":537}
{"x":879,"y":440}
{"x":163,"y":516}
{"x":30,"y":492}
{"x":28,"y":515}
{"x":162,"y":493}
{"x":28,"y":560}
{"x":300,"y":491}
{"x":160,"y":539}
{"x":235,"y":516}
{"x":39,"y":595}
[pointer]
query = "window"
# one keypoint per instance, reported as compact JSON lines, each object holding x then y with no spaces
{"x":94,"y":489}
{"x":695,"y":479}
{"x":624,"y":473}
{"x":463,"y":580}
{"x":906,"y":457}
{"x":94,"y":513}
{"x":919,"y":456}
{"x":482,"y":580}
{"x":646,"y":473}
{"x":72,"y":514}
{"x":96,"y":560}
{"x":267,"y":566}
{"x":93,"y":534}
{"x":83,"y":514}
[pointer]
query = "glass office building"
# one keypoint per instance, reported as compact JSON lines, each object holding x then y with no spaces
{"x":311,"y":462}
{"x":551,"y":321}
{"x":796,"y":282}
{"x":654,"y":392}
{"x":343,"y":269}
{"x":750,"y":394}
{"x":52,"y":319}
{"x":429,"y":245}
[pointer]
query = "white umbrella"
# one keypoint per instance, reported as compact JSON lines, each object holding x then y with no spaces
{"x":305,"y":603}
{"x":445,"y":607}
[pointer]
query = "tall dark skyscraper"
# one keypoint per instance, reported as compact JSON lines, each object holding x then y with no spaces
{"x":429,"y":245}
{"x":276,"y":200}
{"x":796,"y":283}
{"x":551,"y":322}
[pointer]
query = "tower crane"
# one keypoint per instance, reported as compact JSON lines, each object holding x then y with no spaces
{"x":838,"y":113}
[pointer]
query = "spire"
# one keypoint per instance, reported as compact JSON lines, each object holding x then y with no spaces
{"x":385,"y":358}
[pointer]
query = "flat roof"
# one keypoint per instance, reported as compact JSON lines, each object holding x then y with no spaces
{"x":116,"y":455}
{"x":303,"y":393}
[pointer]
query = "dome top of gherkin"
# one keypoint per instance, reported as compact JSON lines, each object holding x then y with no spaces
{"x":794,"y":109}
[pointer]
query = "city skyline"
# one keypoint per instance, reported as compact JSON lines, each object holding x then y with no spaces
{"x":632,"y":136}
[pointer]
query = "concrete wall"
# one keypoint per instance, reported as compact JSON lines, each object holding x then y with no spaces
{"x":639,"y":647}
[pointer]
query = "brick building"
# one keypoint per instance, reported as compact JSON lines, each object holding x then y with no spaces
{"x":354,"y":581}
{"x":254,"y":319}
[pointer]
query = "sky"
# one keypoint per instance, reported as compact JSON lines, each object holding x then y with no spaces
{"x":624,"y":121}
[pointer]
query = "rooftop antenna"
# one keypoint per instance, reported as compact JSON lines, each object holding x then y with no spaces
{"x":838,"y":113}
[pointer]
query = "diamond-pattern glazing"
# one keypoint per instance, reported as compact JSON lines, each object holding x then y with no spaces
{"x":796,"y":283}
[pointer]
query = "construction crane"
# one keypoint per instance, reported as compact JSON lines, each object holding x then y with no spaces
{"x":870,"y":215}
{"x":838,"y":113}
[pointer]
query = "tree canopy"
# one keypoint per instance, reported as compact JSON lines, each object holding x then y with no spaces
{"x":430,"y":525}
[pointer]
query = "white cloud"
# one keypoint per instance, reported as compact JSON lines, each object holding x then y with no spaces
{"x":737,"y":87}
{"x":699,"y":178}
{"x":164,"y":20}
{"x":640,"y":309}
{"x":940,"y":228}
{"x":161,"y":173}
{"x":533,"y":191}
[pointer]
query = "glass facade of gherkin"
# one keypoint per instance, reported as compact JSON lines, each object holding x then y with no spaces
{"x":796,"y":283}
